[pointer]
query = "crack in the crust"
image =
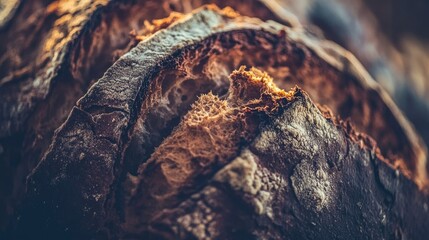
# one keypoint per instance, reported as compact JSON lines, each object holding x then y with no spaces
{"x":389,"y":196}
{"x":248,"y":96}
{"x":200,"y":83}
{"x":346,"y":155}
{"x":135,"y":113}
{"x":118,"y":171}
{"x":95,"y":110}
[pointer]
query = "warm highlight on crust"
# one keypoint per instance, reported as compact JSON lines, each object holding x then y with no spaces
{"x":150,"y":27}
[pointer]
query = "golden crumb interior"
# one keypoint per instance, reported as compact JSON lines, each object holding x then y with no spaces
{"x":208,"y":136}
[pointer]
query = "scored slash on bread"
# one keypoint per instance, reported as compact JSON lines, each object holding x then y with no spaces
{"x":165,"y":144}
{"x":209,"y":136}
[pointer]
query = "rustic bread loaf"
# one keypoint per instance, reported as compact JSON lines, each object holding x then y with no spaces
{"x":188,"y":136}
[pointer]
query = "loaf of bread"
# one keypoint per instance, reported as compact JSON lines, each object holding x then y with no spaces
{"x":210,"y":125}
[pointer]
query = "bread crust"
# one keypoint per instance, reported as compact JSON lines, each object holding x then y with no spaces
{"x":293,"y":176}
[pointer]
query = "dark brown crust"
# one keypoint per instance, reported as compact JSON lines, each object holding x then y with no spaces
{"x":51,"y":53}
{"x":339,"y":190}
{"x":73,"y":190}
